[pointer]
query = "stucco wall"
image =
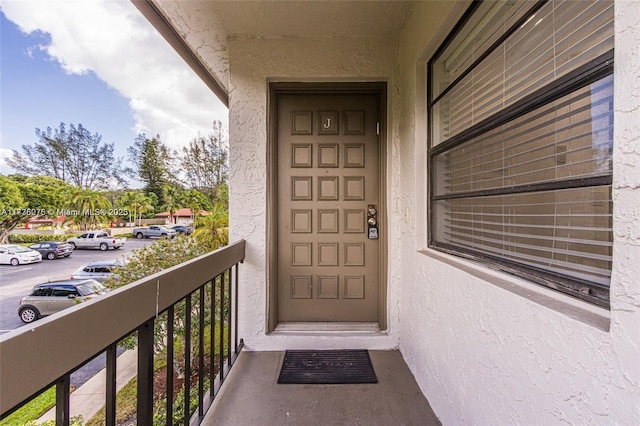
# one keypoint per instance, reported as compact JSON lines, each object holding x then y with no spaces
{"x":485,"y":348}
{"x":253,"y":62}
{"x":210,"y":44}
{"x":510,"y":354}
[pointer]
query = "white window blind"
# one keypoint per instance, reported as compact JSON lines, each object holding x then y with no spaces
{"x":521,"y":140}
{"x":566,"y":139}
{"x":557,"y":39}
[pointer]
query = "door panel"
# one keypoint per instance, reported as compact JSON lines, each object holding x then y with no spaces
{"x":328,"y":175}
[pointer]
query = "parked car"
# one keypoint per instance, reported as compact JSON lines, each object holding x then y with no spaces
{"x":96,"y":240}
{"x":99,"y":270}
{"x":153,"y":231}
{"x":49,"y":298}
{"x":15,"y":255}
{"x":182,"y":229}
{"x":52,"y":249}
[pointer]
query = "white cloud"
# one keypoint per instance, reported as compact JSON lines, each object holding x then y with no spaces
{"x":4,"y":167}
{"x":112,"y":39}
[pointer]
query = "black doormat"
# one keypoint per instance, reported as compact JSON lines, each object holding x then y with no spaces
{"x":327,"y":367}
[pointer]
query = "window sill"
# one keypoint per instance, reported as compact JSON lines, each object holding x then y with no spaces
{"x":573,"y":308}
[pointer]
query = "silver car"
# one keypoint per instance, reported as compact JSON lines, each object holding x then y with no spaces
{"x":99,"y":270}
{"x":49,"y":298}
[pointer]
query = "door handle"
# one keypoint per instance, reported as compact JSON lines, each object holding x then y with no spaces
{"x":372,"y":222}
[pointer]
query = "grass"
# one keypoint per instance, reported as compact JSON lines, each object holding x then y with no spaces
{"x":126,"y":401}
{"x":29,"y":414}
{"x":32,"y":410}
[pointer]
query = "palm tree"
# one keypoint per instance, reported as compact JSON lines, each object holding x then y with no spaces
{"x":142,"y":204}
{"x":213,"y":228}
{"x":171,"y":201}
{"x":196,"y":201}
{"x":91,"y":207}
{"x":127,"y":201}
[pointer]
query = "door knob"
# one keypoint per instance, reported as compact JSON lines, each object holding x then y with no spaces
{"x":372,"y":222}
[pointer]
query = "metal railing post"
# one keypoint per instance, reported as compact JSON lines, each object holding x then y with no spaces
{"x":170,"y":360}
{"x":110,"y":403}
{"x":145,"y":373}
{"x":187,"y":360}
{"x":201,"y":354}
{"x":63,"y":388}
{"x":221,"y":335}
{"x":235,"y":343}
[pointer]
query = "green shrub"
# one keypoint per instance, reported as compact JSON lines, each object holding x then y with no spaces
{"x":160,"y":412}
{"x":158,"y":256}
{"x":36,"y":238}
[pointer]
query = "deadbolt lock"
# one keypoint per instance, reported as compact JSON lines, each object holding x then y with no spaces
{"x":372,"y":222}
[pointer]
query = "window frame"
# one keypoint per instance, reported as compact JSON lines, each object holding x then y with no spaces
{"x":586,"y":74}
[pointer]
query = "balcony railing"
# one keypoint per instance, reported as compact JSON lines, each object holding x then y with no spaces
{"x":45,"y":353}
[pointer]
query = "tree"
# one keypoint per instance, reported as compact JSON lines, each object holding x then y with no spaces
{"x":196,"y":201}
{"x":91,"y":208}
{"x":171,"y":200}
{"x":136,"y":203}
{"x":205,"y":164}
{"x":23,"y":198}
{"x":12,"y":207}
{"x":47,"y":193}
{"x":143,"y":204}
{"x":213,"y":229}
{"x":126,"y":200}
{"x":73,"y":155}
{"x":152,"y":164}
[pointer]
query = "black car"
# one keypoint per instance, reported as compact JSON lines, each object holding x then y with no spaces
{"x":52,"y":249}
{"x":182,"y":229}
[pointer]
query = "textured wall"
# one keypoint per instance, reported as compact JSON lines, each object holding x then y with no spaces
{"x":253,"y":61}
{"x":485,"y":348}
{"x":484,"y":354}
{"x":203,"y":33}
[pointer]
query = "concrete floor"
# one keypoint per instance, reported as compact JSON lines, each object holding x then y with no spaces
{"x":252,"y":396}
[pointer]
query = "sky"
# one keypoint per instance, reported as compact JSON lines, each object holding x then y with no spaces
{"x":98,"y":63}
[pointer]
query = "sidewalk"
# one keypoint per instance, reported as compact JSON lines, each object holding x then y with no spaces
{"x":90,"y":397}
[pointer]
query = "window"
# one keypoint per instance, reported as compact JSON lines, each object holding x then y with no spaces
{"x":42,"y":292}
{"x":520,"y":142}
{"x":65,"y":292}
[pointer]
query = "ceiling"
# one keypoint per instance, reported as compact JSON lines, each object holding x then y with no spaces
{"x":200,"y":30}
{"x":313,"y":18}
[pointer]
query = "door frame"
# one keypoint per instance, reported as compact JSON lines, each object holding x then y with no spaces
{"x":277,"y":89}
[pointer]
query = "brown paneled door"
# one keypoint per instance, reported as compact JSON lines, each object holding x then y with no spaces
{"x":327,"y":180}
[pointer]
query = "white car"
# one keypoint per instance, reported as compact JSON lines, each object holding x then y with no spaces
{"x":11,"y":254}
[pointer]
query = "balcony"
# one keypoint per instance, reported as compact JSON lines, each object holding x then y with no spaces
{"x":46,"y":353}
{"x":163,"y":314}
{"x":251,"y":396}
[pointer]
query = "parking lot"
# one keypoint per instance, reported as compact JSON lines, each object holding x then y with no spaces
{"x":17,"y":281}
